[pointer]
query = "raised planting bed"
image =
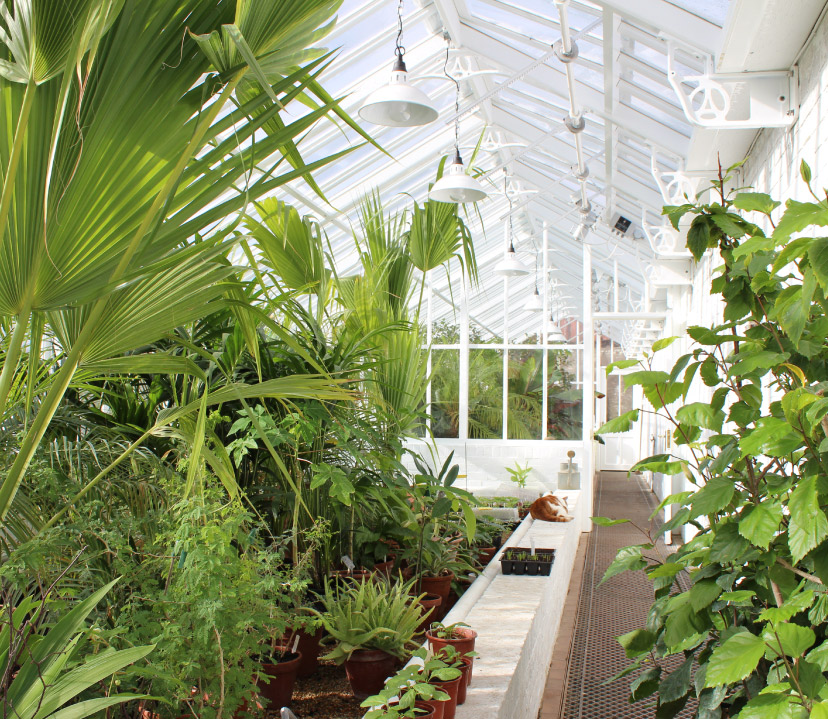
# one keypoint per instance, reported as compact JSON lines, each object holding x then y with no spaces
{"x":520,"y":560}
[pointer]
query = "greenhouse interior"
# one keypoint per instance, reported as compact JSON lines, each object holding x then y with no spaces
{"x":413,"y":359}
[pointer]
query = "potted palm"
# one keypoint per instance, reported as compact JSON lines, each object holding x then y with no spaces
{"x":372,"y":625}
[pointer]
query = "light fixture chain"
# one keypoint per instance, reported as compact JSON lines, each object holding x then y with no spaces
{"x":456,"y":100}
{"x":400,"y":48}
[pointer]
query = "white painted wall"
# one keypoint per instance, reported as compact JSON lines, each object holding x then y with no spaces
{"x":484,"y":463}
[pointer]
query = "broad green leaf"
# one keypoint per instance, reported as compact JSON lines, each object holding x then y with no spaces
{"x":703,"y":593}
{"x":735,"y":659}
{"x":607,"y":522}
{"x":751,"y":362}
{"x":713,"y":497}
{"x":819,"y":656}
{"x":621,"y":364}
{"x":772,"y":436}
{"x":738,"y":596}
{"x":678,"y":498}
{"x":622,"y":423}
{"x":676,"y":684}
{"x":637,"y":642}
{"x":698,"y":236}
{"x":819,"y":710}
{"x":769,"y":706}
{"x":663,"y":343}
{"x":793,"y":639}
{"x":683,"y":622}
{"x":798,"y":216}
{"x":659,"y":463}
{"x":808,"y":524}
{"x":627,"y":559}
{"x":818,"y":257}
{"x":646,"y":378}
{"x":645,"y":684}
{"x":790,"y":608}
{"x":728,"y":545}
{"x":759,"y":523}
{"x":701,"y":415}
{"x":755,"y":202}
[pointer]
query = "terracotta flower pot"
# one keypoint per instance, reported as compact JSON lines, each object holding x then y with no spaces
{"x":464,"y":679}
{"x":276,"y":681}
{"x":428,"y":710}
{"x":431,"y":606}
{"x":437,"y":707}
{"x":464,"y":643}
{"x":367,"y":670}
{"x":451,"y":688}
{"x":345,"y":575}
{"x":385,"y":568}
{"x":438,"y":585}
{"x":485,"y":555}
{"x":309,"y":647}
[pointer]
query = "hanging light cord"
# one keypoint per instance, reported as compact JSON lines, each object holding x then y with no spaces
{"x":457,"y":157}
{"x":509,"y":198}
{"x":399,"y":49}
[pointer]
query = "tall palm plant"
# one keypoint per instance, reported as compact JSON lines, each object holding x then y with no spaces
{"x":135,"y":126}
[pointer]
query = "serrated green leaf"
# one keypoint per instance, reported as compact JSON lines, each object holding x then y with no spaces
{"x":759,"y":523}
{"x":755,"y":202}
{"x":636,"y":642}
{"x":713,"y":497}
{"x":769,"y":706}
{"x":627,"y":559}
{"x":701,"y":415}
{"x":607,"y":522}
{"x":663,"y":343}
{"x":734,"y":659}
{"x":808,"y":526}
{"x":798,"y":216}
{"x":791,"y":639}
{"x":703,"y":593}
{"x":622,"y":423}
{"x":659,"y":463}
{"x":790,"y":608}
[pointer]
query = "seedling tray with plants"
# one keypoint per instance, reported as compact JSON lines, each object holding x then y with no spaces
{"x":518,"y":560}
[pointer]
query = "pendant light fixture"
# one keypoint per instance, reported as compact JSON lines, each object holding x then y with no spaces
{"x":554,"y":334}
{"x":510,"y":265}
{"x":535,"y":302}
{"x":455,"y":185}
{"x":398,"y":104}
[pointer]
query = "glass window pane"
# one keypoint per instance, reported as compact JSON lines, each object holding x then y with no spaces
{"x":564,"y":411}
{"x":485,"y":394}
{"x":525,"y":402}
{"x":445,"y":393}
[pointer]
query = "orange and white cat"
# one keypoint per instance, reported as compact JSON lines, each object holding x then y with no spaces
{"x":550,"y":508}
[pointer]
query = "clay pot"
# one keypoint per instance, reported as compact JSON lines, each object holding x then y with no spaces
{"x":428,"y":710}
{"x":485,"y":555}
{"x":464,"y":643}
{"x":431,"y":606}
{"x":437,"y":707}
{"x":438,"y":585}
{"x":309,"y":647}
{"x":345,"y":575}
{"x":276,"y":681}
{"x":367,"y":670}
{"x":385,"y":568}
{"x":451,"y":688}
{"x":464,"y":679}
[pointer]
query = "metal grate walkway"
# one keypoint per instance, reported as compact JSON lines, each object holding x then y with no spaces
{"x":601,"y":613}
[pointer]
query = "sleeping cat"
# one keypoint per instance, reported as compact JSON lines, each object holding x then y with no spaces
{"x":550,"y":508}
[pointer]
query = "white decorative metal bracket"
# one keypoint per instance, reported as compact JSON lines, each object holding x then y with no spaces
{"x":742,"y":100}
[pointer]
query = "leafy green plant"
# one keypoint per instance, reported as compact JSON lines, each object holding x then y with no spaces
{"x":374,"y":614}
{"x":43,"y":669}
{"x":519,"y":474}
{"x":447,"y":631}
{"x":411,"y":684}
{"x":748,"y":637}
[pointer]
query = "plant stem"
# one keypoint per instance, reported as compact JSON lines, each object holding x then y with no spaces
{"x":13,"y":353}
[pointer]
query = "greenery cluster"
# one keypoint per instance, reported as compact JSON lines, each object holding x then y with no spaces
{"x":740,"y":609}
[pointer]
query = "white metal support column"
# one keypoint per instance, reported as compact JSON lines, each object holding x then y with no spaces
{"x":429,"y":340}
{"x":588,"y":393}
{"x":463,"y":398}
{"x":545,"y":333}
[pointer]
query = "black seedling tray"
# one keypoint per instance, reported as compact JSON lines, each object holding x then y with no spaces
{"x":513,"y":561}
